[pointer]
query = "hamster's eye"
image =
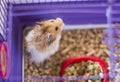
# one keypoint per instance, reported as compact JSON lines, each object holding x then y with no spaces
{"x":56,"y":28}
{"x":52,"y":21}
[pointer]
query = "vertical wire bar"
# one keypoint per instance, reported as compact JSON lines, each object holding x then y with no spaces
{"x":5,"y":25}
{"x":33,"y":1}
{"x":20,"y":1}
{"x":27,"y":1}
{"x":9,"y":35}
{"x":5,"y":7}
{"x":14,"y":1}
{"x":5,"y":3}
{"x":24,"y":1}
{"x":3,"y":13}
{"x":3,"y":19}
{"x":3,"y":29}
{"x":110,"y":40}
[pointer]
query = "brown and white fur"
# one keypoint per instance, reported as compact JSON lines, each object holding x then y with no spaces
{"x":43,"y":40}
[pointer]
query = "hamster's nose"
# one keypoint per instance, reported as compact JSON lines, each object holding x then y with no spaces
{"x":60,"y":21}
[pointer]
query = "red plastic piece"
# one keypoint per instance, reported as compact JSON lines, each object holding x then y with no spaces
{"x":4,"y":60}
{"x":101,"y":62}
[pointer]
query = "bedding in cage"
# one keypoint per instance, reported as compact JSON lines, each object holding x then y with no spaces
{"x":84,"y":19}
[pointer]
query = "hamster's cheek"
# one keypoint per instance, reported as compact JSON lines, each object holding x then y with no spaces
{"x":60,"y":31}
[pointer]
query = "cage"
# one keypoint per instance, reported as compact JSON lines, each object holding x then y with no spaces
{"x":16,"y":14}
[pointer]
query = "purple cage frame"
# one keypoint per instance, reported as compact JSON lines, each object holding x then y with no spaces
{"x":15,"y":14}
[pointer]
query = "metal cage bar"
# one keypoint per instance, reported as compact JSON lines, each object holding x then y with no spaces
{"x":3,"y":18}
{"x":52,"y":1}
{"x":110,"y":41}
{"x":46,"y":1}
{"x":113,"y":40}
{"x":6,"y":18}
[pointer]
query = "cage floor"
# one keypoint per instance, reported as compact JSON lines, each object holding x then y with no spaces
{"x":84,"y":42}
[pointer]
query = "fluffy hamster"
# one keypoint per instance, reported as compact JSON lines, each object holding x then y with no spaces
{"x":43,"y":40}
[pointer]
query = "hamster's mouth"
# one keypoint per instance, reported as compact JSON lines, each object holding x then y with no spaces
{"x":48,"y":37}
{"x":48,"y":40}
{"x":44,"y":40}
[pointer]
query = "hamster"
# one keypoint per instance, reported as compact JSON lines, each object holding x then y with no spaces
{"x":43,"y":40}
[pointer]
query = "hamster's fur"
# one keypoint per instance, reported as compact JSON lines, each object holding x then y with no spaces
{"x":43,"y":40}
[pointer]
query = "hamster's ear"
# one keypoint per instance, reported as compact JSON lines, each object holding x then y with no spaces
{"x":39,"y":23}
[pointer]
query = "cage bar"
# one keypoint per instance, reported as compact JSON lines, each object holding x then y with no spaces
{"x":11,"y":9}
{"x":3,"y":18}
